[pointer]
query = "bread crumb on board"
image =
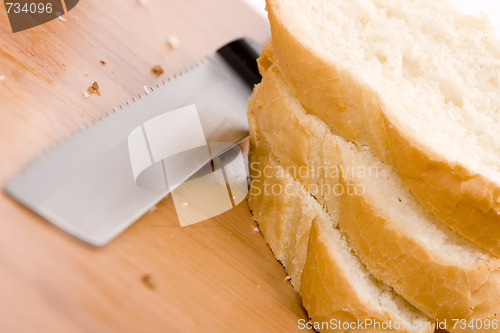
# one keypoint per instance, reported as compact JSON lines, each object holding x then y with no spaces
{"x":94,"y":88}
{"x":173,"y":42}
{"x":85,"y":94}
{"x":255,"y":229}
{"x":149,"y":281}
{"x":102,"y":62}
{"x":288,"y":278}
{"x":157,"y":69}
{"x":62,"y":19}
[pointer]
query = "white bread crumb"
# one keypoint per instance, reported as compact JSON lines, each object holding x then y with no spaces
{"x":173,"y":42}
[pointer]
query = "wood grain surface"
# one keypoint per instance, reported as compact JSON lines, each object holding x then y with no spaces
{"x":216,"y":276}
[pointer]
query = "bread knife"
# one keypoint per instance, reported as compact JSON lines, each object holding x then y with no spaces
{"x":84,"y":185}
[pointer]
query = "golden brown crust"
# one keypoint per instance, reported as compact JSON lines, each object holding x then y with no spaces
{"x":326,"y":290}
{"x":441,"y":289}
{"x":284,"y":217}
{"x":467,"y":202}
{"x":317,"y":272}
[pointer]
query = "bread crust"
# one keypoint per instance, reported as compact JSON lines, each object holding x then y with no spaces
{"x":284,"y":220}
{"x":442,"y":290}
{"x":467,"y":202}
{"x":316,"y":271}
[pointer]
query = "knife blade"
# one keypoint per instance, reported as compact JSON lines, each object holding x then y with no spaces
{"x":84,"y":185}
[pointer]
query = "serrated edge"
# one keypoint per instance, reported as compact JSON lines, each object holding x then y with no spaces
{"x":85,"y":126}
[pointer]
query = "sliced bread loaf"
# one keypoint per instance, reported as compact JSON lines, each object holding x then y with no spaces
{"x":442,"y":274}
{"x":337,"y":290}
{"x":418,"y":82}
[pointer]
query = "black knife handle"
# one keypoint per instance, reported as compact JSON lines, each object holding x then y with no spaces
{"x":242,"y":55}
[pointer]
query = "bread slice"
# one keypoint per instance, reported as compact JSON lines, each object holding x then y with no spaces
{"x":439,"y":272}
{"x":418,"y":82}
{"x":334,"y":285}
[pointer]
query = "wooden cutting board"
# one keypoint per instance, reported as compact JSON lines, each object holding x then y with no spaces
{"x":215,"y":276}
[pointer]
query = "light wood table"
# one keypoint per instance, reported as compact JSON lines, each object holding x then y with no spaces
{"x":215,"y":276}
